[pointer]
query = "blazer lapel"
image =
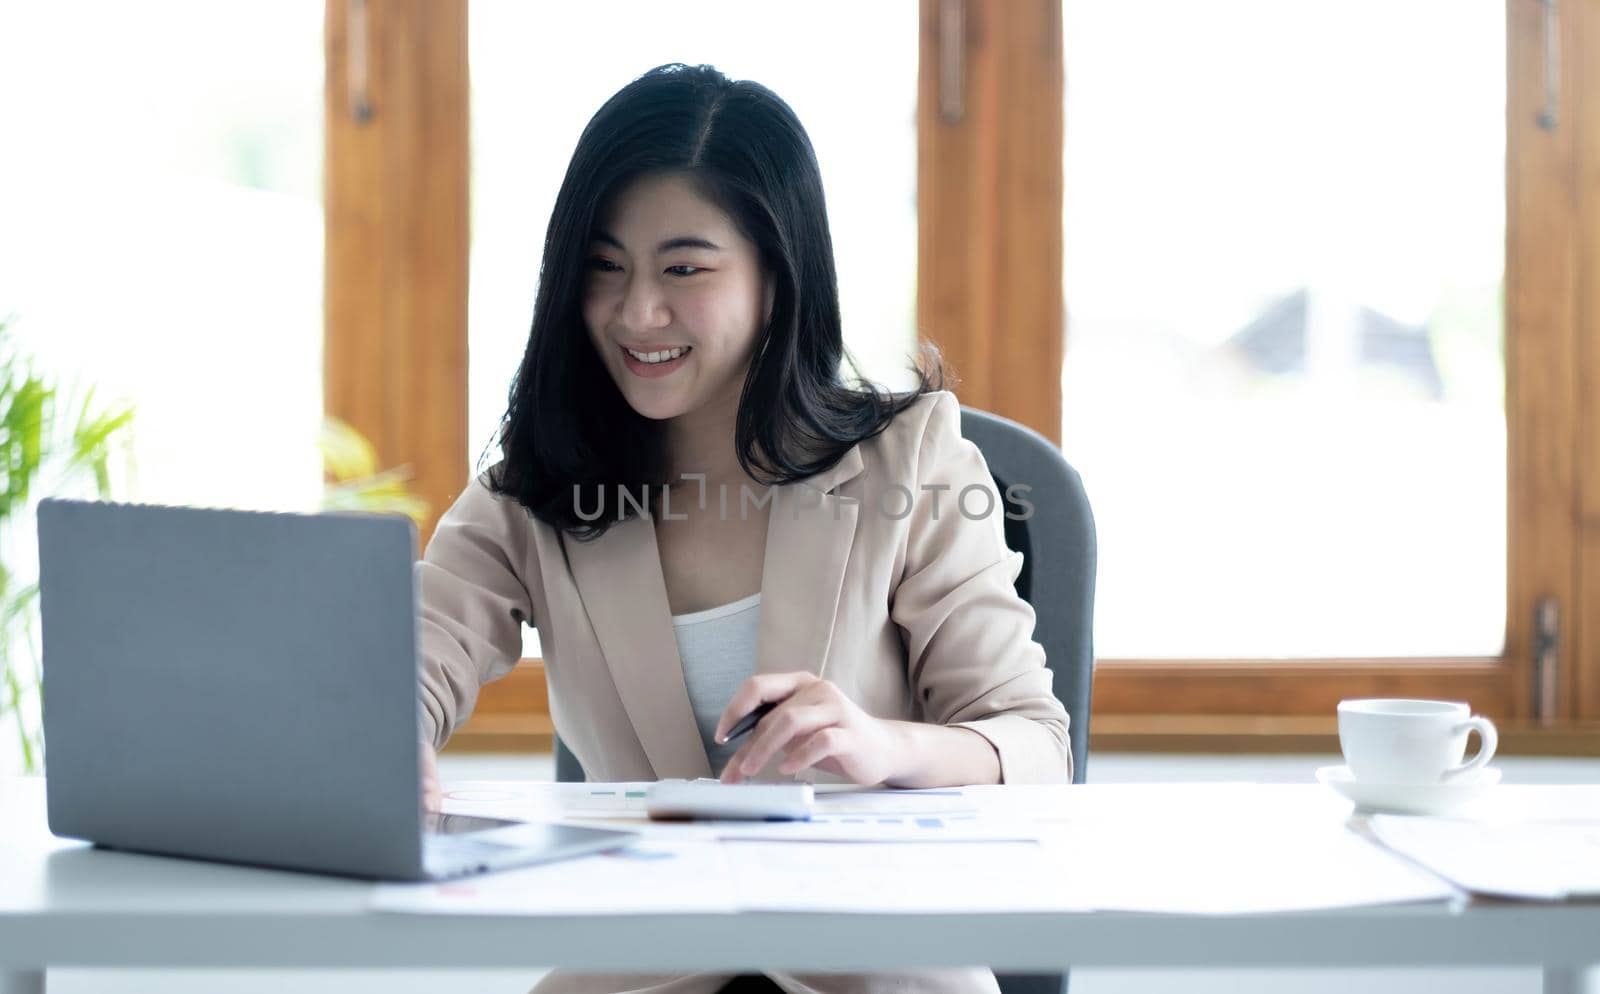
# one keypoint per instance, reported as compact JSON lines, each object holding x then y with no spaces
{"x":619,"y":577}
{"x":808,"y":545}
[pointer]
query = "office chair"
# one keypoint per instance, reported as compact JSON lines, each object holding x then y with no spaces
{"x":1057,"y":542}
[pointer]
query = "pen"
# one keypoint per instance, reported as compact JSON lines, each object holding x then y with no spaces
{"x":749,"y":721}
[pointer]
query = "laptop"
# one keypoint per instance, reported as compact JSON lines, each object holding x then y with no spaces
{"x":243,"y":686}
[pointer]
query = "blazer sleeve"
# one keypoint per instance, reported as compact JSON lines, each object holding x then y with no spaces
{"x":972,"y":659}
{"x":472,"y":605}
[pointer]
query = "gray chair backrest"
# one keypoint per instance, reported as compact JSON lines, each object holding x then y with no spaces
{"x":1056,"y":537}
{"x":1057,"y":540}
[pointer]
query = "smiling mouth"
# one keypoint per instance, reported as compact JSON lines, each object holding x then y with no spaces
{"x":658,"y":356}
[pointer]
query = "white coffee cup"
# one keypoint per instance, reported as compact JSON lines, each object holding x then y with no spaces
{"x":1412,"y":742}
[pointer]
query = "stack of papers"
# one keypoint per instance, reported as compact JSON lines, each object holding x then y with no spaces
{"x":908,"y":879}
{"x":1226,"y":849}
{"x":712,"y":877}
{"x":1533,"y":860}
{"x":1205,"y":849}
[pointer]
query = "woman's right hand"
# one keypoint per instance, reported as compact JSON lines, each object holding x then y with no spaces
{"x":432,"y":794}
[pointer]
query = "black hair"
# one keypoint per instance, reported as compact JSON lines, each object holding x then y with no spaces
{"x":568,"y":428}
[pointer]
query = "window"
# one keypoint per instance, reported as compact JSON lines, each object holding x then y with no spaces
{"x":1284,"y":247}
{"x":985,"y":164}
{"x":162,"y":239}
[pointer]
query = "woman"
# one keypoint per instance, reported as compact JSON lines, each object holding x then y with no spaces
{"x":701,"y":516}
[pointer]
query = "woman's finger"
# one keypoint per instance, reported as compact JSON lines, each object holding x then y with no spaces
{"x":779,"y":730}
{"x":755,"y":691}
{"x":826,"y":742}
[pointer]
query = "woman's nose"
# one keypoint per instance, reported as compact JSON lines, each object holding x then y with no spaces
{"x":643,"y":306}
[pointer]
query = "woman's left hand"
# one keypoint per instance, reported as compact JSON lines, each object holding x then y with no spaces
{"x":814,"y":725}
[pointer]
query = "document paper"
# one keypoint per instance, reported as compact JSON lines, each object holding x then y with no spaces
{"x":1536,"y":860}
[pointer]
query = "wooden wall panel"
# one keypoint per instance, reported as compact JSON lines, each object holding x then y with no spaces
{"x":395,"y":362}
{"x":1583,"y":116}
{"x":989,"y":189}
{"x":1308,"y":688}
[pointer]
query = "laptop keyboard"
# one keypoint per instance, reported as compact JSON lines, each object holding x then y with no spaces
{"x":460,"y":853}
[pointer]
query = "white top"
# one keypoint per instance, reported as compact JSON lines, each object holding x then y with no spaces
{"x":718,"y":649}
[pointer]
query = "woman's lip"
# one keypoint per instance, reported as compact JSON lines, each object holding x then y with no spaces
{"x":656,"y":347}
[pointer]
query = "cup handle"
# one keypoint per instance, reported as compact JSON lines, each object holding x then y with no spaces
{"x":1489,"y":739}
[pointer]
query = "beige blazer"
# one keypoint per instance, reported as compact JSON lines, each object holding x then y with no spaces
{"x":874,"y":578}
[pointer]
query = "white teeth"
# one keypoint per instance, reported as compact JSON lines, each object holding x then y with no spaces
{"x":654,"y":357}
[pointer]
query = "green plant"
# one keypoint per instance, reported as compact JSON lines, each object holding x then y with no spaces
{"x":353,"y":481}
{"x":51,"y":444}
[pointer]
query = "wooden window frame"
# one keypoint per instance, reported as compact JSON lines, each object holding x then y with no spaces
{"x":990,"y":178}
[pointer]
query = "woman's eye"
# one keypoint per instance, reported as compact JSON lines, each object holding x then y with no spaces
{"x":603,"y":265}
{"x":684,"y":270}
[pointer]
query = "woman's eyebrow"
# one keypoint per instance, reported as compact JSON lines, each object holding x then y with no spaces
{"x":678,"y":242}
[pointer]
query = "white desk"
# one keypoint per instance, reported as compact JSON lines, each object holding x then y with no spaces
{"x":63,"y":904}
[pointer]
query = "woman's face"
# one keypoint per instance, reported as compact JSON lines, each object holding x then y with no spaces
{"x":668,"y":272}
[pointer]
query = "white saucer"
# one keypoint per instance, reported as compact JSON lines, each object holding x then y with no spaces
{"x":1420,"y":799}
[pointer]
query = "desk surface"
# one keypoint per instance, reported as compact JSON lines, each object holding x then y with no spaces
{"x":65,"y":904}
